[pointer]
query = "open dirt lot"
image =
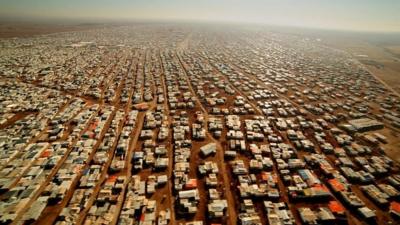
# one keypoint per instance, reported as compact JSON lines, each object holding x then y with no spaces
{"x":383,"y":60}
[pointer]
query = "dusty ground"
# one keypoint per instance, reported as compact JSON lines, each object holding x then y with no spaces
{"x":381,"y":59}
{"x":12,"y":30}
{"x":393,"y":142}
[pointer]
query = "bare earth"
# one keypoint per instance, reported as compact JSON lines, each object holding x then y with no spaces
{"x":382,"y":60}
{"x":9,"y":30}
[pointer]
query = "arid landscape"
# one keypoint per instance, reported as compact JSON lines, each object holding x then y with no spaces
{"x":23,"y":29}
{"x":162,"y":124}
{"x":210,"y":112}
{"x":382,"y":58}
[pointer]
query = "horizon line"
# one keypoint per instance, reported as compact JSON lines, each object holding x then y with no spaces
{"x":104,"y":20}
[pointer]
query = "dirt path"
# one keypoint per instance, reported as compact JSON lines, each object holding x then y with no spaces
{"x":232,"y":217}
{"x":169,"y":145}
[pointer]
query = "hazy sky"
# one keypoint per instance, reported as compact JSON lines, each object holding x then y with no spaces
{"x":368,"y":15}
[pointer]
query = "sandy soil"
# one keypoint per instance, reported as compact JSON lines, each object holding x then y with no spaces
{"x":381,"y":60}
